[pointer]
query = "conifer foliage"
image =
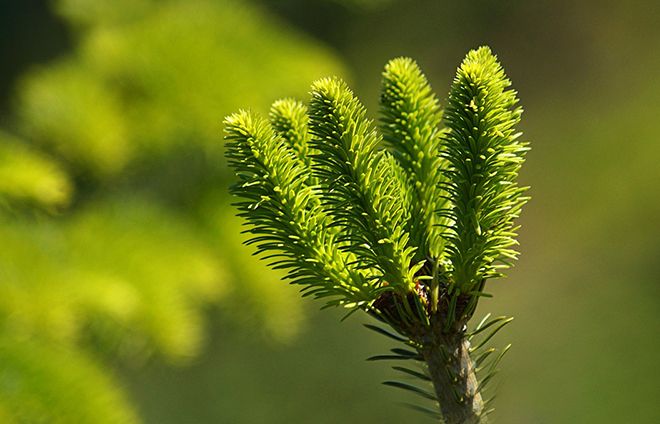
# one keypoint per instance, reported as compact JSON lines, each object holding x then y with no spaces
{"x":406,"y":221}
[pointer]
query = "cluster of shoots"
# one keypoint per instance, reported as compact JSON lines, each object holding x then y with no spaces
{"x":405,"y":219}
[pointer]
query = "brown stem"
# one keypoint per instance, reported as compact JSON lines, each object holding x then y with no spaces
{"x":452,"y":373}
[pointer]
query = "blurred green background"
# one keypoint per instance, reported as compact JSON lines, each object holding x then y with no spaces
{"x":126,"y":296}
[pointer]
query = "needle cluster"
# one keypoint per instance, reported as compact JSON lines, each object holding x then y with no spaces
{"x":406,"y":220}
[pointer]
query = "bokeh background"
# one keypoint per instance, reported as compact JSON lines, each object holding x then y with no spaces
{"x":125,"y":293}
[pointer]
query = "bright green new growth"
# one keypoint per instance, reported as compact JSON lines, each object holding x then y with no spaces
{"x":358,"y":185}
{"x":410,"y":124}
{"x":285,"y":213}
{"x":289,"y":119}
{"x":485,"y":155}
{"x":407,"y":222}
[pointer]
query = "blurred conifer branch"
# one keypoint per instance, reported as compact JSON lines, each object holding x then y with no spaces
{"x":115,"y":236}
{"x":30,"y":178}
{"x":409,"y":233}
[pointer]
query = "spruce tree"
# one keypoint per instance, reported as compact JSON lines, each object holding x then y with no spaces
{"x":406,"y":221}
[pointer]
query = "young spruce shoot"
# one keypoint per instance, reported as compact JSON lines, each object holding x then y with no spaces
{"x":407,"y":220}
